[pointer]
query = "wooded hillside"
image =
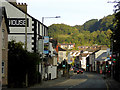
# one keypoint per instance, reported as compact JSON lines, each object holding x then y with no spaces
{"x":91,"y":32}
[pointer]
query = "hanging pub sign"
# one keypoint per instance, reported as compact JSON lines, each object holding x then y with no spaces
{"x":18,"y":22}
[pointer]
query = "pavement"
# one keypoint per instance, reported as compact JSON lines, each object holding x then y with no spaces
{"x":112,"y":83}
{"x":50,"y":83}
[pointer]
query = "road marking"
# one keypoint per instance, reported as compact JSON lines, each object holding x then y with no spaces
{"x":107,"y":86}
{"x":78,"y":83}
{"x":90,"y":76}
{"x":71,"y":82}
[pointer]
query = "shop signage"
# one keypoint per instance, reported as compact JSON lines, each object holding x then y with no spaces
{"x":46,"y":52}
{"x":46,"y":39}
{"x":18,"y":22}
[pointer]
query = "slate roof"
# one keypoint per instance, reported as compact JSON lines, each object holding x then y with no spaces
{"x":84,"y":54}
{"x":102,"y":57}
{"x":60,"y":49}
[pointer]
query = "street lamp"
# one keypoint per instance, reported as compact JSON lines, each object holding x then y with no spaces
{"x":49,"y":17}
{"x":43,"y":42}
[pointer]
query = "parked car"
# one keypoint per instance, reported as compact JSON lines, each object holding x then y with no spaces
{"x":79,"y":71}
{"x":75,"y":70}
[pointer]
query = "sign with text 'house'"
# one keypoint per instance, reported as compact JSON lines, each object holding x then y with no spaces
{"x":18,"y":22}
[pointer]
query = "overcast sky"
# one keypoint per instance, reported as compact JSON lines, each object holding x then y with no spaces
{"x":72,"y":12}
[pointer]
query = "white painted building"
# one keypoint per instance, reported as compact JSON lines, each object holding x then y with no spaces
{"x":83,"y":61}
{"x":67,"y":46}
{"x":21,"y":23}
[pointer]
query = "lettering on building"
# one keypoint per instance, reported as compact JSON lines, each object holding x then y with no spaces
{"x":18,"y":22}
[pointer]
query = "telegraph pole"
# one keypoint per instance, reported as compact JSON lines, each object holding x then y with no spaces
{"x":26,"y":45}
{"x":67,"y":63}
{"x":43,"y":41}
{"x":25,"y":32}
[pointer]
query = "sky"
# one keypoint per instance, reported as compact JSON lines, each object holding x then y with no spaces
{"x":71,"y":12}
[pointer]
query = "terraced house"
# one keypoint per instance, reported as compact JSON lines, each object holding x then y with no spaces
{"x":21,"y":27}
{"x":24,"y":27}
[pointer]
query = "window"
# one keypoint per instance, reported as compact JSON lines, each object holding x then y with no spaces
{"x":3,"y":64}
{"x":3,"y":38}
{"x":39,"y":28}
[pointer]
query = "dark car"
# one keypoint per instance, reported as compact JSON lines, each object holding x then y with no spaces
{"x":79,"y":71}
{"x":75,"y":70}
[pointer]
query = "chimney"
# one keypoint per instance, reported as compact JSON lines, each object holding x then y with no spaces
{"x":22,"y":6}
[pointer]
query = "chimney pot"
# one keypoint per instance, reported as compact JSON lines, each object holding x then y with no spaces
{"x":25,"y":4}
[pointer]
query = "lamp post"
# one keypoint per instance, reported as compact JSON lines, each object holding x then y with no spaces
{"x":43,"y":42}
{"x":49,"y":17}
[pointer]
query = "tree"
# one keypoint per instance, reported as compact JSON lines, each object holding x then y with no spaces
{"x":20,"y":63}
{"x":91,"y":32}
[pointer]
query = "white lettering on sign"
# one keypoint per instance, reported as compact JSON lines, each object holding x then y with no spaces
{"x":18,"y":22}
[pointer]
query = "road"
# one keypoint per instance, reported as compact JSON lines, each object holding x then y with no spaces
{"x":85,"y":80}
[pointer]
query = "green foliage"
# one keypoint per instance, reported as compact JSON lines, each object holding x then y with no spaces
{"x":91,"y":32}
{"x":91,"y":25}
{"x":20,"y":63}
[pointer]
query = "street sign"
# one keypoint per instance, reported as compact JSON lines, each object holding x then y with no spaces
{"x":18,"y":22}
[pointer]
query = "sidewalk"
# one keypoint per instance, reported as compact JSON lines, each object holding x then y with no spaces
{"x":49,"y":83}
{"x":111,"y":82}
